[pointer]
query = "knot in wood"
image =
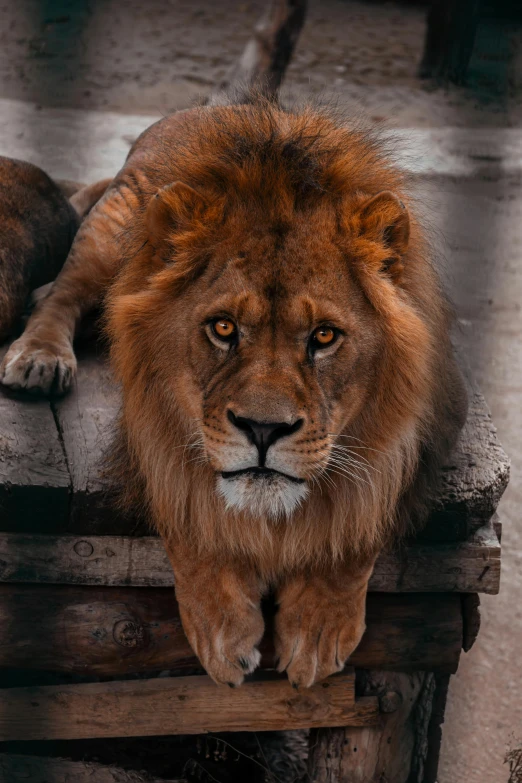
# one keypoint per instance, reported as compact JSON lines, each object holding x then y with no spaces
{"x":305,"y":706}
{"x":83,"y":548}
{"x":128,"y":633}
{"x":390,"y":701}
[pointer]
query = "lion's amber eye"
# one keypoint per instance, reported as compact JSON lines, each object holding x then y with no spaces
{"x":321,"y":338}
{"x":224,"y":328}
{"x":324,"y":335}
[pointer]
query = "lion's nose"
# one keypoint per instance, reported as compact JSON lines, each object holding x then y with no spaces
{"x":263,"y":433}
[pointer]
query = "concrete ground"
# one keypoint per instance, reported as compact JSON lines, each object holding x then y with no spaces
{"x":79,"y":80}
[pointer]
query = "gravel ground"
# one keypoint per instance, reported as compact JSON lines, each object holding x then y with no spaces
{"x":157,"y":56}
{"x":134,"y":57}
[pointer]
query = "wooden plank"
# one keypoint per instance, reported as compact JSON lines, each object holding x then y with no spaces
{"x":86,"y":419}
{"x":466,"y":567}
{"x":470,"y":566}
{"x":473,"y":480}
{"x":114,"y":631}
{"x":34,"y":478}
{"x":180,"y":705}
{"x":411,"y":632}
{"x":434,"y":736}
{"x":386,"y":752}
{"x":37,"y":769}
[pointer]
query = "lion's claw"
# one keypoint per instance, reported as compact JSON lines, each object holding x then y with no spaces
{"x":315,"y":635}
{"x":36,"y":366}
{"x":226,"y":645}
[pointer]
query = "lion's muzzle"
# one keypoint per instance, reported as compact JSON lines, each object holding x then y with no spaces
{"x":261,"y":484}
{"x":263,"y":433}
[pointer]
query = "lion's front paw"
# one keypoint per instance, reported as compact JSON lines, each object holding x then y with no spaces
{"x":225,"y":641}
{"x":316,"y":631}
{"x":38,"y":366}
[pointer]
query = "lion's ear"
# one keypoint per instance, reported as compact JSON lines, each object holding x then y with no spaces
{"x":385,"y":219}
{"x":173,"y":209}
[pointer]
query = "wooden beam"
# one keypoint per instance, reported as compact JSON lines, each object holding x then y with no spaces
{"x":471,"y":566}
{"x":115,"y":631}
{"x":476,"y":474}
{"x":434,"y":734}
{"x":474,"y":478}
{"x":85,"y":420}
{"x":392,"y":751}
{"x":34,"y":479}
{"x":36,"y":769}
{"x":180,"y":705}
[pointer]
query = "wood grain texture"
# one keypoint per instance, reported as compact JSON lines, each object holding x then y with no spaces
{"x":473,"y":480}
{"x":35,"y":769}
{"x":181,"y":705}
{"x":34,"y":479}
{"x":434,"y":737}
{"x":470,"y":566}
{"x":470,"y":620}
{"x":116,"y":631}
{"x":378,"y":753}
{"x":467,"y":566}
{"x":85,"y":420}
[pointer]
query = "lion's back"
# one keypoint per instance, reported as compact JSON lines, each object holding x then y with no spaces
{"x":38,"y":225}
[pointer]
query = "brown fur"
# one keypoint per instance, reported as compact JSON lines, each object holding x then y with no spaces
{"x":282,"y":221}
{"x":38,"y":228}
{"x":86,"y":196}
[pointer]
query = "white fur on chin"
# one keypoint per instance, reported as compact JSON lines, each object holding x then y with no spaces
{"x":263,"y":496}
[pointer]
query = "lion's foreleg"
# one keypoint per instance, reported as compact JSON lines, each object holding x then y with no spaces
{"x":320,"y":622}
{"x":220,"y":610}
{"x":42,"y":359}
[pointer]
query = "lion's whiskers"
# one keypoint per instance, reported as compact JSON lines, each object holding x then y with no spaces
{"x":341,"y":461}
{"x":341,"y":470}
{"x":314,"y":480}
{"x":201,"y":459}
{"x":352,"y":437}
{"x":344,"y":462}
{"x":347,"y":451}
{"x":192,"y":444}
{"x":351,"y":470}
{"x":327,"y":478}
{"x":354,"y":461}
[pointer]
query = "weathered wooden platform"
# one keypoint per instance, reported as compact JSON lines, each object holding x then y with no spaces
{"x":463,"y":566}
{"x":100,"y":631}
{"x":72,"y":579}
{"x":51,"y":475}
{"x":179,"y":705}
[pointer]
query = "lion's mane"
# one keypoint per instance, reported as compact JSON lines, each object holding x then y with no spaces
{"x":417,"y":406}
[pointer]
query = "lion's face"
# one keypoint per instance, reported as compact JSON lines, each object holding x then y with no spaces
{"x":280,"y":337}
{"x":273,"y":351}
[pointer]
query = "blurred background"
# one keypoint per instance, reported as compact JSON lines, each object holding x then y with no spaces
{"x":80,"y":79}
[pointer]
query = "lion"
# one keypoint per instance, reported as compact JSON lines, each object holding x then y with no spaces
{"x":289,"y":389}
{"x":38,"y":227}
